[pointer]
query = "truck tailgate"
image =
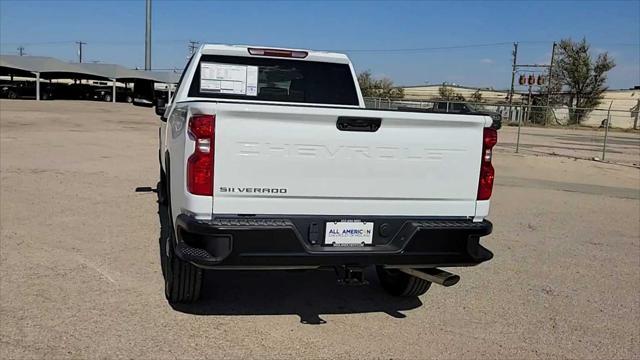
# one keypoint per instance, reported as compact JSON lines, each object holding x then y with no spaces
{"x":295,"y":160}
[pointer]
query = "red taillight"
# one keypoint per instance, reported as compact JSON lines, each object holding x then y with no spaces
{"x":485,"y":185}
{"x":200,"y":163}
{"x":278,"y":53}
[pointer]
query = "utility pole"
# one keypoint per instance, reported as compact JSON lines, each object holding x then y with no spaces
{"x":513,"y":75}
{"x":550,"y":77}
{"x":635,"y":121}
{"x":147,"y":40}
{"x":514,"y":69}
{"x":550,"y":81}
{"x":80,"y":43}
{"x":193,"y":45}
{"x":21,"y":50}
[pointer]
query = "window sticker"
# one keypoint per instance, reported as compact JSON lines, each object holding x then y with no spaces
{"x":229,"y":79}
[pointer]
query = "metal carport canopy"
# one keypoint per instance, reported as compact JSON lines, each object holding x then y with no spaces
{"x":117,"y":72}
{"x":112,"y":71}
{"x":47,"y":67}
{"x":50,"y":68}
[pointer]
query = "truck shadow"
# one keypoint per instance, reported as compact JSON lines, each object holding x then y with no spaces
{"x":307,"y":294}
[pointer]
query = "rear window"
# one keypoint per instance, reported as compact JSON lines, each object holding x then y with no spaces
{"x":253,"y":78}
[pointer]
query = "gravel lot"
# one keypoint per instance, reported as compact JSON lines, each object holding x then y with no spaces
{"x":622,"y":147}
{"x":80,"y":274}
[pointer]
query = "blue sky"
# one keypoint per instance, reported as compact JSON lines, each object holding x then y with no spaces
{"x":114,"y":31}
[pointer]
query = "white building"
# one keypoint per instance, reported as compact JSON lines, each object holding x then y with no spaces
{"x":431,"y":92}
{"x":624,"y":103}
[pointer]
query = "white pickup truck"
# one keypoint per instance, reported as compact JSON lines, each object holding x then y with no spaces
{"x":269,"y":160}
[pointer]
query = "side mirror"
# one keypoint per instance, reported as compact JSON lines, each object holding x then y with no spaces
{"x":160,"y":107}
{"x":142,"y":102}
{"x":143,"y":93}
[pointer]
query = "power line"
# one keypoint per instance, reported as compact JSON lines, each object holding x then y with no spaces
{"x":424,"y":49}
{"x":592,"y":44}
{"x":468,"y":46}
{"x":381,"y":50}
{"x":40,"y":42}
{"x":101,"y":42}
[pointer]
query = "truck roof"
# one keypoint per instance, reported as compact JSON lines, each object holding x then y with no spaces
{"x":243,"y":50}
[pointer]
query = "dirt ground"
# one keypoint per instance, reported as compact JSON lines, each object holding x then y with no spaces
{"x":586,"y":143}
{"x":80,"y":274}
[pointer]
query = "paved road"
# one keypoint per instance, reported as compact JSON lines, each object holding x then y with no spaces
{"x":80,"y":274}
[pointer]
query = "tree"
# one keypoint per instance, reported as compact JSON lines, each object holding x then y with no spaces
{"x":367,"y":83}
{"x":372,"y":87}
{"x":582,"y":76}
{"x":476,"y":97}
{"x":448,"y":94}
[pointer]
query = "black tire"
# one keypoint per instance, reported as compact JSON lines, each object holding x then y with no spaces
{"x":182,"y":280}
{"x":129,"y":99}
{"x":12,"y":95}
{"x":44,"y":96}
{"x":397,"y":283}
{"x":107,"y":97}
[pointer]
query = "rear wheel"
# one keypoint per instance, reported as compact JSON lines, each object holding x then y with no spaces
{"x":182,"y":280}
{"x":12,"y":95}
{"x":397,"y":283}
{"x":107,"y":97}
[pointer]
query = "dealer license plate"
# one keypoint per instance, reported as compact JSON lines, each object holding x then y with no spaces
{"x":348,"y":233}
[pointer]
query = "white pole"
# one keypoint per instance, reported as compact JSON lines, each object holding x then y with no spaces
{"x":169,"y":93}
{"x":147,"y":38}
{"x":113,"y":90}
{"x":38,"y":86}
{"x":606,"y":131}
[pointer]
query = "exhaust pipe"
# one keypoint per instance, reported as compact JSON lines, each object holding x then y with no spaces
{"x":434,"y":275}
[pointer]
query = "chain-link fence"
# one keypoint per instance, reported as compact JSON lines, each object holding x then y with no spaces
{"x":603,"y":134}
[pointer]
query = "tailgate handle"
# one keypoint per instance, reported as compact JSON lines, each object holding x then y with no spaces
{"x":348,"y":123}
